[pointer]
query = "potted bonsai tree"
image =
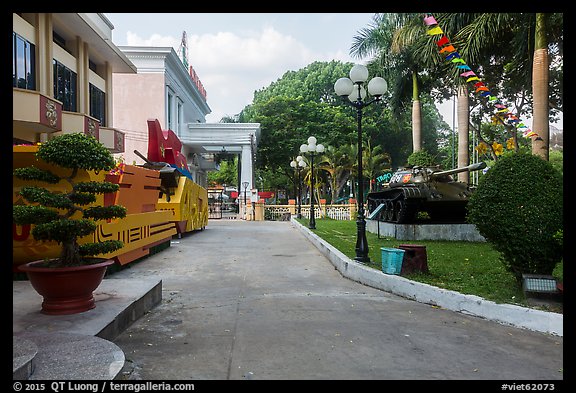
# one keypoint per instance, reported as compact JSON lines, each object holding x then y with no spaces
{"x":68,"y":281}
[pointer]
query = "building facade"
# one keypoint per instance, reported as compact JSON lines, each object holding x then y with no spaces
{"x":62,"y":77}
{"x":164,"y":89}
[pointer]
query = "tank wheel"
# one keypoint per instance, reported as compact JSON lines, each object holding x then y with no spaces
{"x":400,"y":207}
{"x":390,"y":211}
{"x":405,"y":212}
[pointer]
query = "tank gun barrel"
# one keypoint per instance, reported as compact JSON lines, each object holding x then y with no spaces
{"x":153,"y":164}
{"x":471,"y":168}
{"x":144,"y":158}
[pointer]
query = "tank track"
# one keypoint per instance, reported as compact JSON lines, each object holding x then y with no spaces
{"x":397,"y":209}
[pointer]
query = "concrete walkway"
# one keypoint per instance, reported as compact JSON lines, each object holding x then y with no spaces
{"x":257,"y":300}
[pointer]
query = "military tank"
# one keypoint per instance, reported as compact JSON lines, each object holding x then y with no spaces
{"x":422,"y":189}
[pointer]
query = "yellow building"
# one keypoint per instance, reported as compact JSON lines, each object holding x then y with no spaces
{"x":62,"y":77}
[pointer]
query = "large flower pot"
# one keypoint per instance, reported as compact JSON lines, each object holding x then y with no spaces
{"x":66,"y":290}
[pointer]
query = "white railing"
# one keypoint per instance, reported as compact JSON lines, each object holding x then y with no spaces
{"x":275,"y":212}
{"x":338,"y":212}
{"x":335,"y":212}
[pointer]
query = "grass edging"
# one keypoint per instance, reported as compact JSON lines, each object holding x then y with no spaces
{"x":508,"y":314}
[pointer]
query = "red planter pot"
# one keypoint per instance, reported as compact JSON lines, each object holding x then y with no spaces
{"x":66,"y":290}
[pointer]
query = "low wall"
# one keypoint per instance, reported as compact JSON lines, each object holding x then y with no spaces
{"x":464,"y":232}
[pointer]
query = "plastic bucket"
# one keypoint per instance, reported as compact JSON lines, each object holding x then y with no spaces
{"x":392,"y":260}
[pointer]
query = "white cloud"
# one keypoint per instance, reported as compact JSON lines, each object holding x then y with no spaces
{"x":133,"y":39}
{"x":232,"y":66}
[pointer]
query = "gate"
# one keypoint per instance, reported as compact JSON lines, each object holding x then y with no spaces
{"x":215,"y":203}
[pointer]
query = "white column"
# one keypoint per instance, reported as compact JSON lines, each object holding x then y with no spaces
{"x":247,"y":176}
{"x":246,"y":167}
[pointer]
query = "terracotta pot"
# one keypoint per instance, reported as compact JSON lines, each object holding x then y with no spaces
{"x":66,"y":290}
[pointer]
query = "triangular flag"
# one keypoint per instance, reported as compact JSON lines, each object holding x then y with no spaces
{"x":452,"y":55}
{"x":481,"y":88}
{"x":442,"y":41}
{"x":458,"y":60}
{"x":434,"y":31}
{"x":500,"y":106}
{"x":468,"y":73}
{"x":463,"y":67}
{"x":472,"y":78}
{"x":429,"y":20}
{"x":493,"y":98}
{"x":448,"y":48}
{"x":502,"y":110}
{"x":478,"y":84}
{"x":485,"y":94}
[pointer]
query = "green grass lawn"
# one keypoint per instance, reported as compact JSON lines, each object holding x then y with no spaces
{"x":466,"y":267}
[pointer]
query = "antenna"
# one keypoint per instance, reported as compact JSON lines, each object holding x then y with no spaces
{"x":183,"y":49}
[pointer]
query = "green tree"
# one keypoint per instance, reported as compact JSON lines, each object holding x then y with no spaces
{"x":226,"y":174}
{"x":518,"y":208}
{"x":511,"y":51}
{"x":395,"y":42}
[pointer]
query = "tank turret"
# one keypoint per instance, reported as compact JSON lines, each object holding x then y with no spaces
{"x":168,"y":174}
{"x":422,"y":188}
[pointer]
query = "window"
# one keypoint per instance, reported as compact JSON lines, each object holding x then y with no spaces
{"x":169,"y":110}
{"x":64,"y":86}
{"x":98,"y":104}
{"x":92,"y":65}
{"x":23,"y":63}
{"x":179,"y":125}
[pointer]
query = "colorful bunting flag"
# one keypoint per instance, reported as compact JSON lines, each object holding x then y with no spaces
{"x":454,"y":57}
{"x":434,"y":31}
{"x":448,"y":48}
{"x":429,"y":20}
{"x":442,"y":41}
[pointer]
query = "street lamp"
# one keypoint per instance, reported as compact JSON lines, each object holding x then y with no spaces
{"x":312,"y":148}
{"x":298,"y":165}
{"x":353,"y":88}
{"x":245,"y":185}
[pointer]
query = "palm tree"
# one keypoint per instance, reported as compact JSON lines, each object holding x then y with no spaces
{"x":517,"y":42}
{"x":398,"y":44}
{"x":540,"y":113}
{"x":333,"y":162}
{"x":375,"y":162}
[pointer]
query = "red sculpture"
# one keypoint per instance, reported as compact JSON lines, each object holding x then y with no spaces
{"x":164,"y":146}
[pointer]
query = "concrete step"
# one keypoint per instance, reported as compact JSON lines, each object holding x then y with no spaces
{"x":67,"y":356}
{"x":76,"y":346}
{"x":23,"y":353}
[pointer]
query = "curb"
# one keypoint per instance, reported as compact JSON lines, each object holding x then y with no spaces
{"x":507,"y":314}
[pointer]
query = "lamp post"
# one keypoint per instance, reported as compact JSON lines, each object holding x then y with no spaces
{"x":298,"y":165}
{"x":245,"y":185}
{"x":312,"y":148}
{"x":353,"y":88}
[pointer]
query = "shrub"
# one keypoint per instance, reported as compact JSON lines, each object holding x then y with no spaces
{"x":518,"y":208}
{"x":52,"y":212}
{"x":421,"y":158}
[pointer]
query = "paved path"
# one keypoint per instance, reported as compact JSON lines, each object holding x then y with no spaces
{"x":256,"y":300}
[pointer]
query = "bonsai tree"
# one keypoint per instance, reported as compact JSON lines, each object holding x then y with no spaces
{"x":55,"y":214}
{"x":518,"y":208}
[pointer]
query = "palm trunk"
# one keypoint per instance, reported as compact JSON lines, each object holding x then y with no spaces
{"x":540,"y":123}
{"x":463,"y":131}
{"x":416,"y":116}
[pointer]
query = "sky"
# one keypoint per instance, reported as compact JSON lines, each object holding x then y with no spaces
{"x":235,"y":54}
